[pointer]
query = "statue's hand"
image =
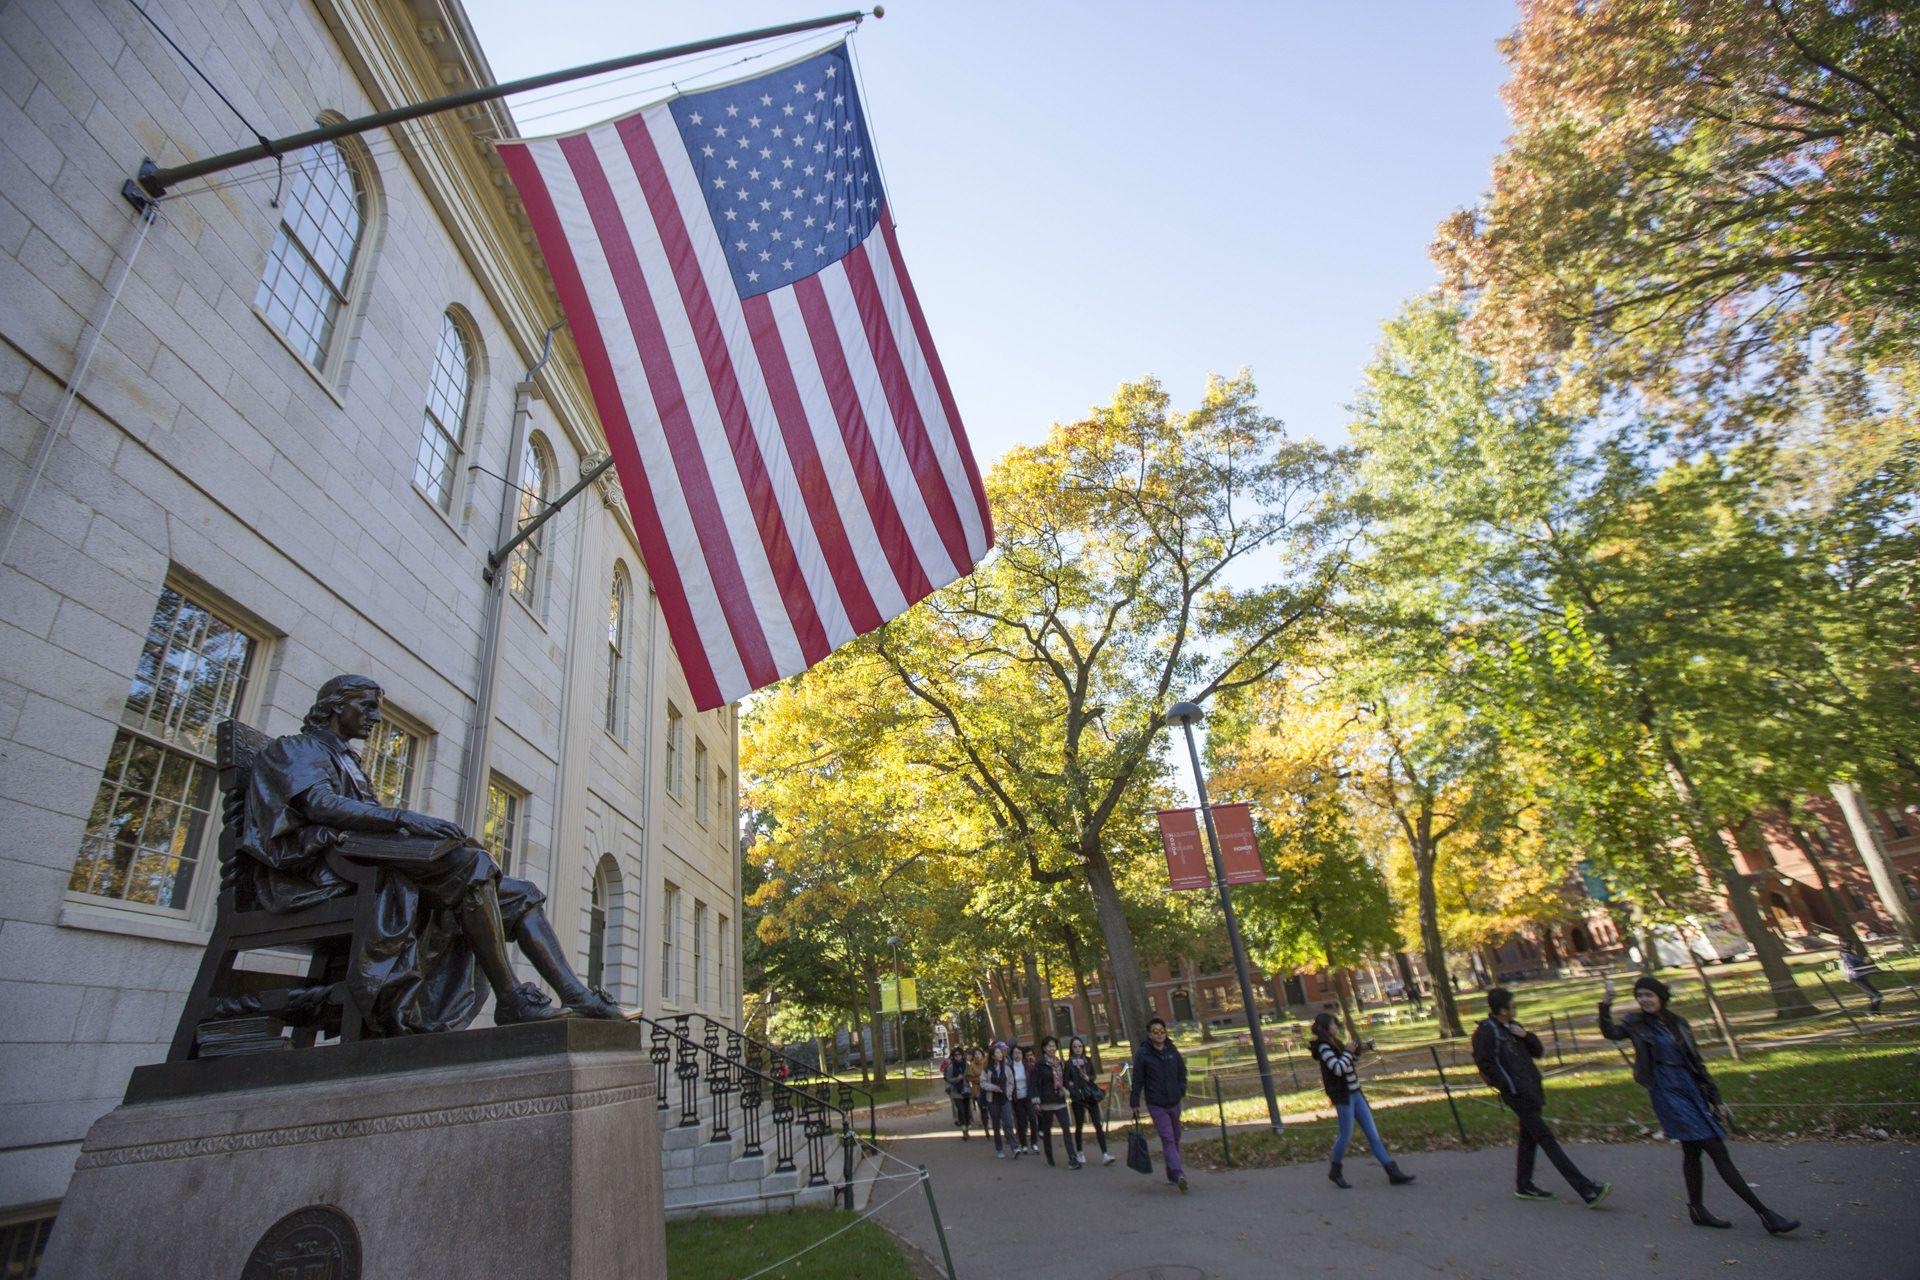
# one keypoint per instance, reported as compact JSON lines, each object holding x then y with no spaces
{"x":423,"y":824}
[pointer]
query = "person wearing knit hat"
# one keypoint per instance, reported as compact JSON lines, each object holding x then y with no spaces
{"x":1668,"y":1065}
{"x":1505,"y":1052}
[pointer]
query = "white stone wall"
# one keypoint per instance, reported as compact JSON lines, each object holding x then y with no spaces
{"x":203,"y":451}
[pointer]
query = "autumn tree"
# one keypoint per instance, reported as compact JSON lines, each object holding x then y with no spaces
{"x":1145,"y":554}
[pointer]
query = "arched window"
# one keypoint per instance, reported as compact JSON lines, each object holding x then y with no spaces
{"x":536,"y":472}
{"x":443,"y":426}
{"x":309,"y":274}
{"x":619,"y":650}
{"x":597,"y":933}
{"x":609,"y":950}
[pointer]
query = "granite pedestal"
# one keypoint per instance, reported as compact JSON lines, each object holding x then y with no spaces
{"x":529,"y":1151}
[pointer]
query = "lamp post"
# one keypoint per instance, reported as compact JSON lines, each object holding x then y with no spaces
{"x":1186,"y":715}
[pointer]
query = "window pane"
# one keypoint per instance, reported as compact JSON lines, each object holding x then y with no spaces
{"x":443,"y":425}
{"x":501,"y":831}
{"x":147,"y":827}
{"x":305,"y":281}
{"x":388,"y":759}
{"x":617,"y":654}
{"x":535,"y":470}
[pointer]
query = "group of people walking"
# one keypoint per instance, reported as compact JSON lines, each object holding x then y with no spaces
{"x":1667,"y":1063}
{"x":1020,"y":1097}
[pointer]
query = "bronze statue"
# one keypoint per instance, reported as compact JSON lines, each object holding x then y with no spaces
{"x":446,"y":912}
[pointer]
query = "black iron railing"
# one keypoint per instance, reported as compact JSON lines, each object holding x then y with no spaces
{"x":845,"y":1096}
{"x":719,"y":1089}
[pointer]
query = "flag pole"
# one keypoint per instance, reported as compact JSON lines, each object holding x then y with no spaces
{"x":154,"y":180}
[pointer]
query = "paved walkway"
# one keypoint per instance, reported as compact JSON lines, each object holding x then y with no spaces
{"x":1859,"y":1203}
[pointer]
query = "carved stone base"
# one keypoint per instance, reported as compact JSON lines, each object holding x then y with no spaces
{"x":531,"y":1151}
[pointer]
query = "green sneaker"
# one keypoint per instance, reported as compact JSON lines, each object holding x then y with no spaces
{"x":1599,"y":1193}
{"x":1532,"y":1193}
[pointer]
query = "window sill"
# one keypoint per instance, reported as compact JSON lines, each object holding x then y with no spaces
{"x":130,"y":923}
{"x":434,"y":507}
{"x":319,"y":378}
{"x":528,"y":609}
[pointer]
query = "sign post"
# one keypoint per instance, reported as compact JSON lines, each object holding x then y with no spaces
{"x":1247,"y":868}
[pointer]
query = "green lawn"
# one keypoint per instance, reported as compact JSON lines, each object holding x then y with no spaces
{"x":728,"y":1248}
{"x":1864,"y":1087}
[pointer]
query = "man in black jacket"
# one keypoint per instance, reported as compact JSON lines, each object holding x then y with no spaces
{"x":1504,"y":1051}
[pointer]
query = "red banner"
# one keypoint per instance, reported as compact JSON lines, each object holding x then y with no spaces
{"x":1186,"y":853}
{"x":1239,"y":850}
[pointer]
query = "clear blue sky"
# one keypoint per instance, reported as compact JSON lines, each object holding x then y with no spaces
{"x":1087,"y":193}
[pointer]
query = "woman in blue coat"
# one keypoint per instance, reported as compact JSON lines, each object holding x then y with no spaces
{"x":1667,"y":1063}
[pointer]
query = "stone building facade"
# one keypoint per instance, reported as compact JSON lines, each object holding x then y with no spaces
{"x":272,"y":436}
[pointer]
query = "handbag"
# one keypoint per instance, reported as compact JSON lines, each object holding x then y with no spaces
{"x":1139,"y":1159}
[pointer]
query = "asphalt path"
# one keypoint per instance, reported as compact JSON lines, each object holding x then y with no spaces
{"x":1859,"y":1204}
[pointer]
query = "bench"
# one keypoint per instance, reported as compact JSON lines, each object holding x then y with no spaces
{"x":234,"y":1011}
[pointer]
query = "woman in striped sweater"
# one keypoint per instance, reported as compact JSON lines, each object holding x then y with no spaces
{"x":1342,"y":1084}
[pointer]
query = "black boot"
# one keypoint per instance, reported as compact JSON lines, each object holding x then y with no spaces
{"x":1777,"y":1225}
{"x":542,"y":946}
{"x":479,"y":917}
{"x":1396,"y":1177}
{"x":1701,"y":1218}
{"x":1333,"y":1176}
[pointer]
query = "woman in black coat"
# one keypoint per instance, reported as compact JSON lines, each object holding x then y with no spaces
{"x":1667,"y":1063}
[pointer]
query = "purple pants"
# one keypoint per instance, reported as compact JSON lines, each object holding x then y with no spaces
{"x":1166,"y":1122}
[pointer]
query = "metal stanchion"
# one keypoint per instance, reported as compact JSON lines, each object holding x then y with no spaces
{"x":1553,"y":1025}
{"x":1458,"y":1123}
{"x":1226,"y":1154}
{"x":946,"y":1254}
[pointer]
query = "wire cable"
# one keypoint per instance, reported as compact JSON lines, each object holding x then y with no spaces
{"x":259,"y":137}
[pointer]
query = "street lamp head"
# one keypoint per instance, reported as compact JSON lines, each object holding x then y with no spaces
{"x":1184,"y":713}
{"x":894,"y":940}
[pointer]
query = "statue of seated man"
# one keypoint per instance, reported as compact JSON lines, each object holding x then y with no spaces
{"x":446,"y":913}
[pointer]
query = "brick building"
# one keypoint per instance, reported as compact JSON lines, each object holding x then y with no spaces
{"x":307,"y":420}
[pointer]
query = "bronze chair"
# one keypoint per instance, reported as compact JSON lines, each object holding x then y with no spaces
{"x":331,"y":932}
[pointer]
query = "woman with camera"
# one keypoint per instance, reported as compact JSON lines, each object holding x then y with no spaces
{"x":1668,"y":1065}
{"x":1342,"y":1084}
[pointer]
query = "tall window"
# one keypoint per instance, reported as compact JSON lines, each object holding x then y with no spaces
{"x":389,"y":756}
{"x":500,"y":833}
{"x":722,"y":798}
{"x":724,"y":944}
{"x":1897,"y":823}
{"x":148,"y":829}
{"x":700,"y":953}
{"x":700,"y":781}
{"x":597,"y":933}
{"x":536,"y":473}
{"x":310,"y":266}
{"x":670,"y":945}
{"x":675,"y":727}
{"x":619,"y":651}
{"x":443,"y":424}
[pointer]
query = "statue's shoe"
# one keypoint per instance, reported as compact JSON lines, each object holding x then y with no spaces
{"x":592,"y":1002}
{"x":527,"y":1004}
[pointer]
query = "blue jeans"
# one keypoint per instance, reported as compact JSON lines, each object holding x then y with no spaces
{"x":1356,"y":1108}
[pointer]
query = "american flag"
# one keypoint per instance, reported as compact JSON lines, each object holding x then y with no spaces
{"x":778,"y":417}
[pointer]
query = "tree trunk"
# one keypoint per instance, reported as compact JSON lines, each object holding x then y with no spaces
{"x":1788,"y":1000}
{"x":1446,"y":1012}
{"x":986,"y":1002}
{"x":1130,"y":989}
{"x":1409,"y":981}
{"x":1036,"y":1001}
{"x":879,"y":1055}
{"x":1842,"y":925}
{"x":1343,"y":991}
{"x":1886,"y":882}
{"x":1072,"y":939}
{"x":1113,"y":1006}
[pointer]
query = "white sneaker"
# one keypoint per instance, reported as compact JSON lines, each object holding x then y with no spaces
{"x":1034,"y":1148}
{"x":999,"y":1155}
{"x":1106,"y":1157}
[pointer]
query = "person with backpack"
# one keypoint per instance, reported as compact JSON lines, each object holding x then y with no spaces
{"x":954,"y":1070}
{"x":1342,"y":1083}
{"x":1505,"y":1052}
{"x":1668,"y":1065}
{"x":1160,"y":1073}
{"x":1050,"y":1102}
{"x":1085,"y":1093}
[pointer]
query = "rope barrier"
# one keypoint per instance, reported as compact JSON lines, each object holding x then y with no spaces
{"x":840,"y":1231}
